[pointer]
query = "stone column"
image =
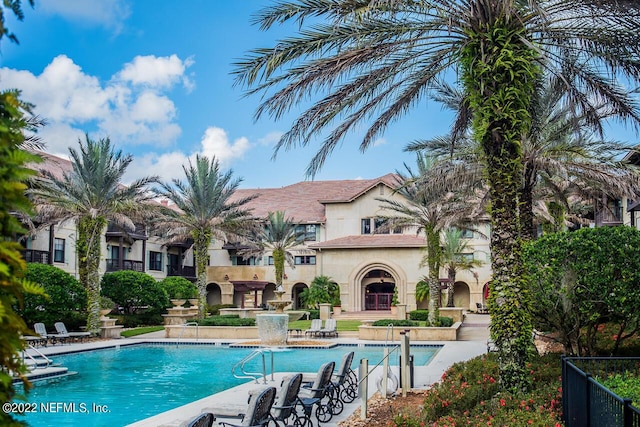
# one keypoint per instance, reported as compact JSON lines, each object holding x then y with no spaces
{"x":402,"y":311}
{"x":325,"y":311}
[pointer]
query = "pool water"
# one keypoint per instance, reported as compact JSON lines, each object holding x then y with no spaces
{"x":115,"y":387}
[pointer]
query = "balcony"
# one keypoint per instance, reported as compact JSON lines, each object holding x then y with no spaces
{"x":39,"y":257}
{"x":127,"y":264}
{"x":140,"y":233}
{"x":611,"y":215}
{"x":188,"y":272}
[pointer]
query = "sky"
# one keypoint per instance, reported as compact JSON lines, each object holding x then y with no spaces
{"x":155,"y":76}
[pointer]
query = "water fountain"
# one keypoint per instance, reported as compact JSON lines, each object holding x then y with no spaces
{"x":273,"y":327}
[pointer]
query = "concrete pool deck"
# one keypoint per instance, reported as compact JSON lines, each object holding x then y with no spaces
{"x":472,"y":342}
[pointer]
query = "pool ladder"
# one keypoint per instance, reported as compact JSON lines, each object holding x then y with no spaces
{"x":184,"y":326}
{"x":240,"y":366}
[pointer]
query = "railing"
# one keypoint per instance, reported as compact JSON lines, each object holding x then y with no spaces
{"x":586,"y":402}
{"x":127,"y":264}
{"x":37,"y":364}
{"x":253,"y":375}
{"x":609,"y":215}
{"x":39,"y":257}
{"x":179,"y":270}
{"x":184,"y":326}
{"x":378,"y":301}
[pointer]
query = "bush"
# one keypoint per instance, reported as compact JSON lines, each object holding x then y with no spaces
{"x":227,"y":321}
{"x":133,"y":291}
{"x":445,"y":322}
{"x":420,"y":315}
{"x":67,"y":301}
{"x":395,"y":322}
{"x":179,"y":287}
{"x":139,"y":319}
{"x":214,"y":310}
{"x":313,"y":314}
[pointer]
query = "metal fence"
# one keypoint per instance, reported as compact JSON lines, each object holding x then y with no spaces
{"x":586,"y":402}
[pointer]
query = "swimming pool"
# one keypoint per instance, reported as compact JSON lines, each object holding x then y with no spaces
{"x":119,"y":386}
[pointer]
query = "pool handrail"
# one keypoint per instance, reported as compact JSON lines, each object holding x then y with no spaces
{"x":184,"y":326}
{"x":254,"y":375}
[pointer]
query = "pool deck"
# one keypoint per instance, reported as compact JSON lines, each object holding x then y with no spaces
{"x":472,"y":342}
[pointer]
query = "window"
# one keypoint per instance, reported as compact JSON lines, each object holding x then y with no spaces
{"x":379,"y":223}
{"x":305,"y":260}
{"x":365,"y":226}
{"x":238,"y":260}
{"x":58,"y":250}
{"x":467,"y":234}
{"x":308,"y":232}
{"x":155,"y":261}
{"x":467,"y":257}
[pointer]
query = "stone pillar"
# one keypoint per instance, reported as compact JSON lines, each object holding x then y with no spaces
{"x":402,"y":311}
{"x":325,"y":311}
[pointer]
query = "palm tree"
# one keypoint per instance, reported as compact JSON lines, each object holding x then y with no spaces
{"x":91,"y":195}
{"x":453,"y":260}
{"x":278,"y":236}
{"x":374,"y":61}
{"x":430,"y":213}
{"x":206,"y":211}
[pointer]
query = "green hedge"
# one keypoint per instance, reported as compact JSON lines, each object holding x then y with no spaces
{"x":214,"y":309}
{"x":420,"y":315}
{"x":227,"y":321}
{"x":138,"y":319}
{"x":395,"y":322}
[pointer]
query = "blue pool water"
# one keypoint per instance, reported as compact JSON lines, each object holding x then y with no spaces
{"x":115,"y":387}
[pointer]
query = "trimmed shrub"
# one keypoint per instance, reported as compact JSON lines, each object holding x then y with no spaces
{"x":134,"y":291}
{"x":445,"y":322}
{"x":395,"y":322}
{"x":227,"y":321}
{"x":138,"y":319}
{"x":419,"y":315}
{"x":179,"y":287}
{"x":66,"y":302}
{"x":214,"y":310}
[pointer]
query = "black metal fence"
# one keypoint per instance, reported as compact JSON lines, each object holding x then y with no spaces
{"x":586,"y":402}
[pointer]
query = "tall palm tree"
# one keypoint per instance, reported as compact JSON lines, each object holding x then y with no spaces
{"x":278,"y":236}
{"x":206,"y":211}
{"x":454,"y":247}
{"x":91,"y":194}
{"x":430,"y":213}
{"x":372,"y":61}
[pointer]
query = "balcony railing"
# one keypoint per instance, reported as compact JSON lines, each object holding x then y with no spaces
{"x":40,"y":257}
{"x":178,"y":270}
{"x":127,"y":264}
{"x":610,"y":215}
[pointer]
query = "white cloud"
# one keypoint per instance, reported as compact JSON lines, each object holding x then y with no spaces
{"x":215,"y":142}
{"x":378,"y":142}
{"x":271,"y":138}
{"x":129,"y":113}
{"x":157,"y":72}
{"x":107,"y":13}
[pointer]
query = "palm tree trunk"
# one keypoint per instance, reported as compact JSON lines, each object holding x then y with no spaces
{"x":433,"y":262}
{"x":452,"y":281}
{"x":278,"y":263}
{"x":201,"y":243}
{"x":89,"y":254}
{"x":498,"y":71}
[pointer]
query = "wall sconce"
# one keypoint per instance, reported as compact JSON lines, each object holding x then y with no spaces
{"x":129,"y":249}
{"x":108,"y":247}
{"x":284,"y":276}
{"x":226,"y":277}
{"x":255,"y":277}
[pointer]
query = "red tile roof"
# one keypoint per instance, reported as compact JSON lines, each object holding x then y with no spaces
{"x":305,"y":201}
{"x":372,"y":241}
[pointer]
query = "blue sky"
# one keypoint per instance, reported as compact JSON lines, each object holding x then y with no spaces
{"x":155,"y":76}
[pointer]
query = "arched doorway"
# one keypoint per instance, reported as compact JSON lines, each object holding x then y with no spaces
{"x":378,"y":287}
{"x":268,"y":293}
{"x":295,"y":295}
{"x":214,"y":294}
{"x":461,"y":295}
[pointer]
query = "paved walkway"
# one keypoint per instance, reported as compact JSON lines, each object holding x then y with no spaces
{"x":472,"y":342}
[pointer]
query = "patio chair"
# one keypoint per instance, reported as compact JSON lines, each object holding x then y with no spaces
{"x":258,"y":413}
{"x":330,"y":328}
{"x":205,"y":419}
{"x":316,"y":327}
{"x":41,"y":330}
{"x":285,"y":404}
{"x":345,"y":382}
{"x":62,"y":331}
{"x":482,"y":308}
{"x":318,"y":390}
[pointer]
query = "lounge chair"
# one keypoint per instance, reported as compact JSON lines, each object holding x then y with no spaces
{"x":205,"y":419}
{"x":41,"y":330}
{"x":258,"y":412}
{"x":345,"y":382}
{"x":316,"y":327}
{"x":318,"y":390}
{"x":330,"y":328}
{"x":62,"y":331}
{"x":285,"y":404}
{"x":482,"y":308}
